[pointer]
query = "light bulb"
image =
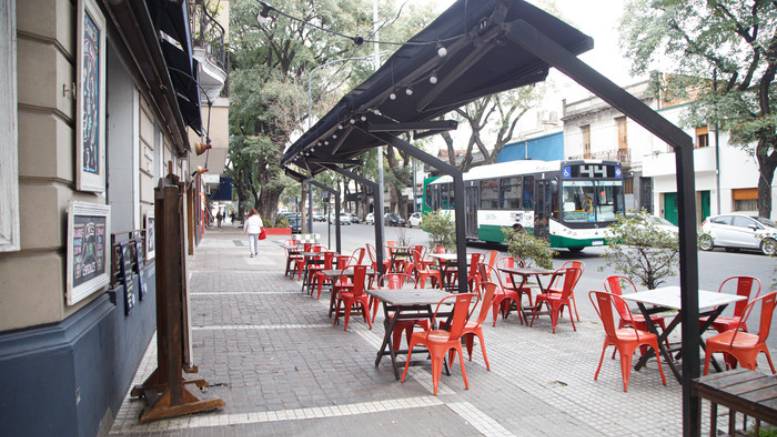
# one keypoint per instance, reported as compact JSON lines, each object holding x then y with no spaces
{"x":326,"y":143}
{"x":409,"y":92}
{"x":364,"y":118}
{"x":392,"y":96}
{"x":340,"y":126}
{"x":433,"y":79}
{"x":334,"y":137}
{"x":442,"y":52}
{"x":353,"y":121}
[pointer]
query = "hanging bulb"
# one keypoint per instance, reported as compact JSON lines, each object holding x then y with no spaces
{"x":393,"y":96}
{"x":264,"y":15}
{"x":409,"y":91}
{"x":442,"y":51}
{"x":353,"y":121}
{"x":340,"y":126}
{"x":326,"y":143}
{"x":364,"y":118}
{"x":433,"y":79}
{"x":334,"y":137}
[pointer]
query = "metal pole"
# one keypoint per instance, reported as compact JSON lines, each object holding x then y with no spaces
{"x":415,"y":200}
{"x":337,"y":213}
{"x":378,"y":197}
{"x":310,"y":209}
{"x":328,"y":225}
{"x":717,"y":139}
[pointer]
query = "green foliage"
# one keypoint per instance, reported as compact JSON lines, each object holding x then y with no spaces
{"x":640,"y":249}
{"x":281,"y":222}
{"x":531,"y":249}
{"x":440,"y":228}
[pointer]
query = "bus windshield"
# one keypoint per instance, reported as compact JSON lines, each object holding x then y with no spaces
{"x":591,"y":201}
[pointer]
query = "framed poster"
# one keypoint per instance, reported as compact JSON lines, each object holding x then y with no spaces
{"x":150,"y":236}
{"x":137,"y":264}
{"x":9,"y":145}
{"x":90,"y":98}
{"x":88,"y":249}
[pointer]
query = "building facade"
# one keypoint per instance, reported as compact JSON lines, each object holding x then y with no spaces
{"x":726,"y":174}
{"x":99,"y":98}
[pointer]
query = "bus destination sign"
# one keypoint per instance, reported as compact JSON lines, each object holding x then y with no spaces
{"x":593,"y":171}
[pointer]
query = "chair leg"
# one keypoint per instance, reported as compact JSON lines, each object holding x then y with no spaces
{"x":555,"y":309}
{"x":375,"y":305}
{"x":707,"y":357}
{"x":483,"y":348}
{"x":601,"y":360}
{"x":366,"y":312}
{"x":658,"y":361}
{"x":769,"y":359}
{"x":574,"y":306}
{"x":495,"y":310}
{"x":463,"y":369}
{"x":572,"y":319}
{"x":396,"y":339}
{"x":347,"y":315}
{"x":407,"y":361}
{"x":626,"y":356}
{"x":469,"y":342}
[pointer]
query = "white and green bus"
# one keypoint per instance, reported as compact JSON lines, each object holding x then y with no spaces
{"x":571,"y":203}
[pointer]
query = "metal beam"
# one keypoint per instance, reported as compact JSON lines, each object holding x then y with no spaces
{"x":458,"y":194}
{"x":377,"y":215}
{"x":295,"y":175}
{"x":535,"y":42}
{"x":337,"y":161}
{"x":341,"y":140}
{"x":439,"y":126}
{"x":337,"y":209}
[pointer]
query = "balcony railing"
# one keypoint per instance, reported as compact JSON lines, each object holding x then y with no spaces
{"x":209,"y":35}
{"x":621,"y":155}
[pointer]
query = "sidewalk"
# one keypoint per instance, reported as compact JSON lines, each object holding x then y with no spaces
{"x":273,"y":356}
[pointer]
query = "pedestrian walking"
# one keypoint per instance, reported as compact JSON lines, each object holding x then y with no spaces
{"x":232,"y":217}
{"x":253,"y":226}
{"x":219,"y":218}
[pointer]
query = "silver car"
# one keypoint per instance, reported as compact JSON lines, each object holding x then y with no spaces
{"x":739,"y":231}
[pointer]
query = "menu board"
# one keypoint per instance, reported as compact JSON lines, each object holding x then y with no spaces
{"x":126,"y":276}
{"x":138,"y":264}
{"x":88,"y":248}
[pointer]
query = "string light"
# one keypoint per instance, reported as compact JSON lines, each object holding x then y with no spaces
{"x":409,"y":91}
{"x":353,"y":121}
{"x":364,"y":118}
{"x":441,"y":51}
{"x":334,"y":137}
{"x":340,"y":126}
{"x":433,"y":79}
{"x":393,"y":96}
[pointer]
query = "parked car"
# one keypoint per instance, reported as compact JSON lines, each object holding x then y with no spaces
{"x":660,"y":223}
{"x":354,"y":218}
{"x":414,"y":219}
{"x":369,"y":219}
{"x":393,"y":219}
{"x":345,"y":218}
{"x":318,"y":217}
{"x":739,"y":231}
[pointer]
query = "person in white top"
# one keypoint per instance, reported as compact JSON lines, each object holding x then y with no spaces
{"x":253,"y":226}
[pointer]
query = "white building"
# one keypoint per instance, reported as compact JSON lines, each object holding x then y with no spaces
{"x":593,"y":129}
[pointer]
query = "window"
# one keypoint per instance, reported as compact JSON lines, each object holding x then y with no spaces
{"x":628,"y":186}
{"x":578,"y":202}
{"x":444,"y":197}
{"x":528,"y":192}
{"x":743,"y":222}
{"x":722,"y":220}
{"x":745,"y":199}
{"x":702,"y":137}
{"x":623,"y":143}
{"x":511,"y":192}
{"x":489,"y":194}
{"x":608,"y":200}
{"x":586,"y":141}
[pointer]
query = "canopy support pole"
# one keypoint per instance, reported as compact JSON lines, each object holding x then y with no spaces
{"x":378,"y":215}
{"x":331,"y":190}
{"x":458,"y":193}
{"x":535,"y":42}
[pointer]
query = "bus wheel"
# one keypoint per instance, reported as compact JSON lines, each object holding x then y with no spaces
{"x":575,"y":249}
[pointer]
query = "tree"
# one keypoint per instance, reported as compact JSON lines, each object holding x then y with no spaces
{"x":735,"y":40}
{"x":529,"y":248}
{"x":639,"y":248}
{"x":500,"y":112}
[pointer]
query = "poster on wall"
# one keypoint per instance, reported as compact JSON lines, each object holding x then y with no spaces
{"x":88,"y":251}
{"x":90,"y":98}
{"x":138,"y":263}
{"x":126,"y":276}
{"x":150,"y":242}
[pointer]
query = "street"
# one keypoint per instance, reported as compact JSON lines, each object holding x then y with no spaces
{"x":714,"y":266}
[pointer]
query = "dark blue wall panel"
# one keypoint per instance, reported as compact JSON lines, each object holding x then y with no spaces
{"x":545,"y":148}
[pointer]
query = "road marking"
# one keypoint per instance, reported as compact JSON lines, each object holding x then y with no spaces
{"x":240,"y":293}
{"x":479,"y":420}
{"x":259,"y":327}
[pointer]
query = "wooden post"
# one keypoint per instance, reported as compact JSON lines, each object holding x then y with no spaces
{"x":164,"y":391}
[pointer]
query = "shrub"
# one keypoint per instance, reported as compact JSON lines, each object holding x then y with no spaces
{"x":281,"y":222}
{"x":440,"y":228}
{"x":530,"y":249}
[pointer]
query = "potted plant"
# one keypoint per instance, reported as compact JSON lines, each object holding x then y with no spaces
{"x":440,"y":228}
{"x":532,"y":250}
{"x":279,"y":227}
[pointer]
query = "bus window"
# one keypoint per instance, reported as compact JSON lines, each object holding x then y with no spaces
{"x":577,"y":202}
{"x":511,"y":193}
{"x":428,"y":199}
{"x":444,"y":196}
{"x":451,"y":197}
{"x":489,"y":194}
{"x":528,"y":192}
{"x":608,"y":200}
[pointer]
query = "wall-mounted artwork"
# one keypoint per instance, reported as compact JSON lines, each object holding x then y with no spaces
{"x":88,"y":250}
{"x":90,"y":98}
{"x":149,"y":230}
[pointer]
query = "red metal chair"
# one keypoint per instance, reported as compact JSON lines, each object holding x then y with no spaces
{"x":318,"y":278}
{"x":396,"y":281}
{"x":374,"y":263}
{"x":299,"y":264}
{"x":614,"y":284}
{"x":576,"y":264}
{"x":744,"y":347}
{"x":509,"y":286}
{"x":391,"y":281}
{"x":745,"y":285}
{"x":492,"y":255}
{"x":438,"y":342}
{"x":472,"y":272}
{"x":474,"y":328}
{"x":291,"y":258}
{"x":503,"y":297}
{"x":355,"y":297}
{"x":343,"y":282}
{"x":625,"y":340}
{"x":423,"y":269}
{"x":556,"y":301}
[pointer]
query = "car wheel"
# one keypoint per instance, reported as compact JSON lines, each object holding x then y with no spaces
{"x":706,"y":243}
{"x":769,"y":246}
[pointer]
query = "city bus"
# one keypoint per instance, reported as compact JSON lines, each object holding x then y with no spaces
{"x":569,"y":203}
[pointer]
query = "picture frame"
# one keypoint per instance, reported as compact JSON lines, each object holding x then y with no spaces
{"x":10,"y":230}
{"x":88,"y":249}
{"x":90,"y":97}
{"x":149,"y":235}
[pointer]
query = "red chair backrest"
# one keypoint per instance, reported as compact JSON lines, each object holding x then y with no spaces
{"x":359,"y":254}
{"x":460,"y":313}
{"x":395,"y":281}
{"x":492,"y":258}
{"x":744,"y":288}
{"x":576,"y":264}
{"x":306,"y":247}
{"x":439,"y":249}
{"x":418,"y":253}
{"x":768,"y":302}
{"x":614,"y":285}
{"x":407,"y":267}
{"x":359,"y":273}
{"x":485,"y":301}
{"x":317,"y":248}
{"x":473,"y":264}
{"x":602,"y":302}
{"x":342,"y":262}
{"x":328,"y":258}
{"x":571,"y":276}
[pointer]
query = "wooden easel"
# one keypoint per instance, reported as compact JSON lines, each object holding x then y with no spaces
{"x":165,"y":390}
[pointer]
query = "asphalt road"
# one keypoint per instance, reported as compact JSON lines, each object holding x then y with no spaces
{"x":714,"y":266}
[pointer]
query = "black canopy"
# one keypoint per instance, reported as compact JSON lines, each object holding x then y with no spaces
{"x":478,"y":62}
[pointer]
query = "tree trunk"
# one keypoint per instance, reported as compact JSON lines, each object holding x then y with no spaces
{"x":268,"y":205}
{"x":766,"y":166}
